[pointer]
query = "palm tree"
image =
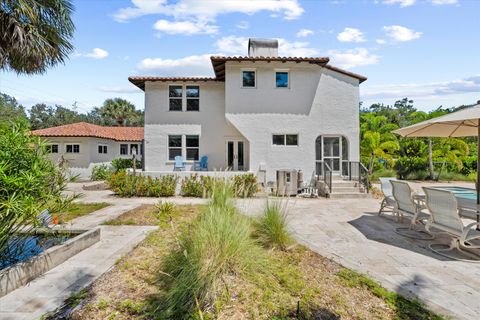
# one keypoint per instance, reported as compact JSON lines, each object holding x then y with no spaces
{"x":35,"y":34}
{"x":373,"y":147}
{"x":119,"y":110}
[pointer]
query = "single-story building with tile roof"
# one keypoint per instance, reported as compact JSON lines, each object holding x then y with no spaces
{"x":82,"y":145}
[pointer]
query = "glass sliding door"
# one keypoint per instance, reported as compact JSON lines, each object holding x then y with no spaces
{"x":235,"y":155}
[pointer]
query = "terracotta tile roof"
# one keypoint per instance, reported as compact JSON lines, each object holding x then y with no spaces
{"x":348,"y":73}
{"x":140,"y":81}
{"x":218,"y":62}
{"x":84,"y":129}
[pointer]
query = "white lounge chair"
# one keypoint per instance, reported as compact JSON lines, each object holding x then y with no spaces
{"x":445,"y":216}
{"x":405,"y":204}
{"x":388,"y":200}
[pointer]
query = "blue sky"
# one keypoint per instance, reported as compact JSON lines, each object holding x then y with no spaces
{"x":426,"y":50}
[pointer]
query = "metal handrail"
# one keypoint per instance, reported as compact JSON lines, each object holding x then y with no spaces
{"x":327,"y":171}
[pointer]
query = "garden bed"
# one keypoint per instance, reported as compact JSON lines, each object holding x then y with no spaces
{"x":79,"y":209}
{"x":296,"y":284}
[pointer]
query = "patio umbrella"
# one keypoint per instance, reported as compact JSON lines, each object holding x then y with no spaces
{"x":462,"y":123}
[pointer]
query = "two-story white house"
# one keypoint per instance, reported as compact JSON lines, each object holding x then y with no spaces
{"x":260,"y":113}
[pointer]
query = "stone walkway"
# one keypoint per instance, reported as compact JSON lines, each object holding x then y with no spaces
{"x":351,"y":233}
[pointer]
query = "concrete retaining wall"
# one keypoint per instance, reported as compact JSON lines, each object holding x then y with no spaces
{"x":21,"y":273}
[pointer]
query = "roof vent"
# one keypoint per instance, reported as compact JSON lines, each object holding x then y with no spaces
{"x":262,"y":47}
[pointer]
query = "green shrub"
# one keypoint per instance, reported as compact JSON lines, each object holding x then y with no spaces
{"x":245,"y":185}
{"x":272,"y":225}
{"x":126,"y":185}
{"x":382,"y":173}
{"x":29,"y":181}
{"x":192,"y":186}
{"x":100,"y":172}
{"x":217,"y":244}
{"x":165,"y":208}
{"x":122,"y":164}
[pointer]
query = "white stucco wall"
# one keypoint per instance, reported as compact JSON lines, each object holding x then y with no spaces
{"x":88,"y":150}
{"x":318,"y":101}
{"x":329,"y":106}
{"x":209,"y":123}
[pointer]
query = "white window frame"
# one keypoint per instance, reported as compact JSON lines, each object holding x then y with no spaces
{"x":182,"y":153}
{"x":287,"y":71}
{"x":182,"y":98}
{"x":285,"y":139}
{"x":73,"y":147}
{"x":241,"y":77}
{"x":50,"y":148}
{"x":103,"y":149}
{"x":191,"y":98}
{"x":186,"y":148}
{"x":123,"y":144}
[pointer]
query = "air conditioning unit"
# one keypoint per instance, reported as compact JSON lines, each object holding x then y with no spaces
{"x":287,"y":183}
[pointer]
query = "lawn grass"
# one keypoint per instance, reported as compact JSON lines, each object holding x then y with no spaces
{"x":293,"y":284}
{"x":79,"y":209}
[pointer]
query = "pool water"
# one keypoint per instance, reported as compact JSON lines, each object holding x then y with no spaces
{"x":23,"y":247}
{"x":461,"y":192}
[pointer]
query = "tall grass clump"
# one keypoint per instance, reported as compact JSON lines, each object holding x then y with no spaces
{"x":272,"y":225}
{"x":216,"y":247}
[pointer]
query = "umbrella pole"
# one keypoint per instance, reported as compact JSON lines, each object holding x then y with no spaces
{"x":477,"y":185}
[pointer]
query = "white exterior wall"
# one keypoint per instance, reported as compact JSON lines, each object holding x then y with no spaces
{"x":209,"y":123}
{"x":88,"y":150}
{"x":318,"y":102}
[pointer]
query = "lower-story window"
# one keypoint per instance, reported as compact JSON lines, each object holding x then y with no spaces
{"x":72,"y":148}
{"x":174,"y":146}
{"x":193,"y":147}
{"x":102,"y":149}
{"x":124,"y":149}
{"x":52,"y":148}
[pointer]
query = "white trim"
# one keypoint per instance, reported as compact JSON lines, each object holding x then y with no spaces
{"x":285,"y":140}
{"x":241,"y":77}
{"x":73,"y":148}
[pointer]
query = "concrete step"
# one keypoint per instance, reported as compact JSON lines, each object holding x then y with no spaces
{"x":342,"y":189}
{"x":344,"y":184}
{"x":349,"y":195}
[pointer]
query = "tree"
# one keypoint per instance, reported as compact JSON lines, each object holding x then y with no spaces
{"x":373,"y":147}
{"x":10,"y":109}
{"x":29,"y":181}
{"x":43,"y":116}
{"x":121,"y":112}
{"x":34,"y":34}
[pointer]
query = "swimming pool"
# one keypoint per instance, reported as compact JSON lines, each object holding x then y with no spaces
{"x":460,"y":192}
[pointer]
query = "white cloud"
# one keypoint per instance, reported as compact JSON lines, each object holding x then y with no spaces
{"x":239,"y":46}
{"x":401,"y":34}
{"x":96,"y":53}
{"x":353,"y":58}
{"x":416,"y":90}
{"x":402,"y":3}
{"x":208,"y":10}
{"x":196,"y":65}
{"x":243,"y":25}
{"x":351,"y":35}
{"x":184,"y":27}
{"x":302,"y":33}
{"x":381,"y":41}
{"x":443,"y":2}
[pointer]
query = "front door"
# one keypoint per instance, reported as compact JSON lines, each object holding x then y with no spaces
{"x":235,"y":155}
{"x":331,"y":153}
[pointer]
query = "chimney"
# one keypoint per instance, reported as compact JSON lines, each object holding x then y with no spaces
{"x":262,"y":47}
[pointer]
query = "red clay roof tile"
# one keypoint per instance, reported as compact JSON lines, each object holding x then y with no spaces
{"x":84,"y":129}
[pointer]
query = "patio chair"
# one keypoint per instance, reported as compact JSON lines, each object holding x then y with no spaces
{"x":405,"y":204}
{"x":445,"y":216}
{"x":388,"y":200}
{"x":179,"y":164}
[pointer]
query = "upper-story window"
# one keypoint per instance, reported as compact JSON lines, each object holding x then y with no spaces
{"x":193,"y":98}
{"x":248,"y":79}
{"x":102,"y":149}
{"x":175,"y":94}
{"x":285,"y":139}
{"x":281,"y":79}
